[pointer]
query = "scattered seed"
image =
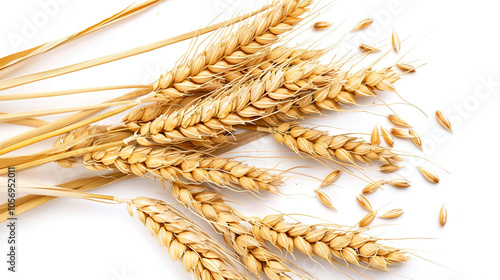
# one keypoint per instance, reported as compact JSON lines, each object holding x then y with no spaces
{"x":401,"y":133}
{"x":375,"y":136}
{"x":400,"y":183}
{"x":396,"y":43}
{"x":430,"y":176}
{"x":367,"y":219}
{"x":443,"y":120}
{"x":416,"y":139}
{"x":443,"y":216}
{"x":331,"y":178}
{"x":325,"y":199}
{"x":386,"y":168}
{"x":363,"y":24}
{"x":373,"y":186}
{"x":129,"y":209}
{"x":368,"y":48}
{"x":406,"y":67}
{"x":363,"y":201}
{"x":320,"y":25}
{"x":398,"y":121}
{"x":387,"y":137}
{"x":391,"y":214}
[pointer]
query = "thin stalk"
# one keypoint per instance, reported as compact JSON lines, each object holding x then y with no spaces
{"x":39,"y":113}
{"x":67,"y":92}
{"x":17,"y":81}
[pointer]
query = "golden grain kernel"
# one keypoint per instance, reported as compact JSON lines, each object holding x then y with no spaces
{"x":401,"y":133}
{"x":373,"y":186}
{"x":367,"y":219}
{"x":331,"y":178}
{"x":416,"y":139}
{"x":396,"y":43}
{"x":320,"y":25}
{"x":443,"y":216}
{"x":363,"y":201}
{"x":398,"y":121}
{"x":325,"y":199}
{"x":368,"y":48}
{"x":375,"y":137}
{"x":400,"y":183}
{"x":429,"y":175}
{"x":443,"y":120}
{"x":406,"y":67}
{"x":363,"y":24}
{"x":391,"y":214}
{"x":387,"y":137}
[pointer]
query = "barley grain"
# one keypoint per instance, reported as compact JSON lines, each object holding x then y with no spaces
{"x":364,"y":202}
{"x":398,"y":121}
{"x":443,"y":120}
{"x":331,"y":178}
{"x":428,"y":175}
{"x":396,"y":43}
{"x":367,"y":219}
{"x":321,"y":25}
{"x":325,"y":199}
{"x":391,"y":214}
{"x":443,"y":216}
{"x":363,"y":24}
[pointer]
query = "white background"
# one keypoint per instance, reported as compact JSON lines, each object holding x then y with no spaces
{"x":457,"y":42}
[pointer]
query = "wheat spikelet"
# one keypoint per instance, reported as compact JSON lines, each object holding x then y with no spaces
{"x":326,"y":242}
{"x":279,"y":95}
{"x":228,"y":222}
{"x":200,"y":255}
{"x":319,"y":143}
{"x":245,"y":46}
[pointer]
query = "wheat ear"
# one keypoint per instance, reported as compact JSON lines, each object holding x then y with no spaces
{"x":228,"y":222}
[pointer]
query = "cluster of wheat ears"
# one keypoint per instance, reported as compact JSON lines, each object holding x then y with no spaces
{"x":247,"y":83}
